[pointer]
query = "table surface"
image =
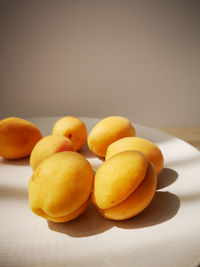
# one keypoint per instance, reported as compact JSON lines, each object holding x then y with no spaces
{"x":189,"y":134}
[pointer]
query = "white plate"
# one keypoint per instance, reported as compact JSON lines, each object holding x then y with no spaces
{"x":167,"y":233}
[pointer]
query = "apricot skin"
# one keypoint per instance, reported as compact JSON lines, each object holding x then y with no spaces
{"x":48,"y":146}
{"x":150,"y":150}
{"x":107,"y":131}
{"x":17,"y":137}
{"x":60,"y":187}
{"x":138,"y":185}
{"x":73,"y":128}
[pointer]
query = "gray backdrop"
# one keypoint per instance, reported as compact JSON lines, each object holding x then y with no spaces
{"x":139,"y":59}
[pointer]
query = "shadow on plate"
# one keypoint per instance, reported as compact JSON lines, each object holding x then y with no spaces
{"x":86,"y":152}
{"x":190,"y":197}
{"x":93,"y":159}
{"x":13,"y":192}
{"x":91,"y":222}
{"x":163,"y":207}
{"x":15,"y":162}
{"x":166,"y":177}
{"x":187,"y":161}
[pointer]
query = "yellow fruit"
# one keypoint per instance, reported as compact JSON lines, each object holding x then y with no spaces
{"x":124,"y":185}
{"x":107,"y":131}
{"x":17,"y":137}
{"x":151,"y":151}
{"x":48,"y":146}
{"x":60,"y":187}
{"x":73,"y":128}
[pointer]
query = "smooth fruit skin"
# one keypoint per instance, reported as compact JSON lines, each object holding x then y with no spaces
{"x":137,"y":201}
{"x":150,"y":150}
{"x":48,"y":146}
{"x":73,"y":128}
{"x":107,"y":131}
{"x":135,"y":195}
{"x":17,"y":137}
{"x":118,"y":177}
{"x":60,"y":187}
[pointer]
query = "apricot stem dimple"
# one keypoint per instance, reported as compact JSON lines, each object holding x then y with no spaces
{"x":72,"y":128}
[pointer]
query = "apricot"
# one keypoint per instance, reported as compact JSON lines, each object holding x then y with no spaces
{"x":124,"y":185}
{"x":73,"y":128}
{"x":107,"y":131}
{"x":151,"y":150}
{"x":60,"y":186}
{"x":17,"y":137}
{"x":48,"y":146}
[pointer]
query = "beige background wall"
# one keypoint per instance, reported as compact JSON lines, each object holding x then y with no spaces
{"x":139,"y":59}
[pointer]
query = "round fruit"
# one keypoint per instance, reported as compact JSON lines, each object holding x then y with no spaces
{"x":17,"y":137}
{"x":150,"y":150}
{"x":73,"y":128}
{"x":108,"y":131}
{"x":124,"y":185}
{"x":60,"y":187}
{"x":48,"y":146}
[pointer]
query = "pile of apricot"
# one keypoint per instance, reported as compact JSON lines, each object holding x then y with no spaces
{"x":63,"y":180}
